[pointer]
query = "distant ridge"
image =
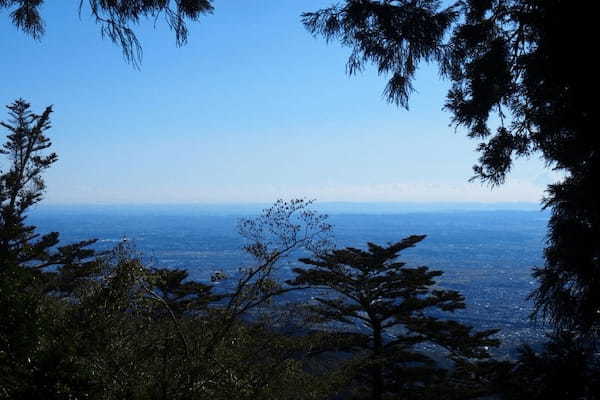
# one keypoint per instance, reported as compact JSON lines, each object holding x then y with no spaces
{"x":404,"y":207}
{"x":255,"y":208}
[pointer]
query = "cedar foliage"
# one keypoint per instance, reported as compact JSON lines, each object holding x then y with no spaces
{"x":521,"y":85}
{"x":116,"y":19}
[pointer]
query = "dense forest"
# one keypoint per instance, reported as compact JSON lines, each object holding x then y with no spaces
{"x":78,"y":324}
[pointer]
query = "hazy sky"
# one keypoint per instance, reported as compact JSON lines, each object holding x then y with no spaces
{"x":252,"y":109}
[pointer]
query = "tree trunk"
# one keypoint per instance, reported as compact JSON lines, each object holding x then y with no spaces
{"x":377,"y":370}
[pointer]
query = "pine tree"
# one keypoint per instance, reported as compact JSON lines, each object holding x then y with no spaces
{"x":395,"y":304}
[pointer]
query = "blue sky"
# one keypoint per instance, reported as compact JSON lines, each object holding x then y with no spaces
{"x":252,"y":109}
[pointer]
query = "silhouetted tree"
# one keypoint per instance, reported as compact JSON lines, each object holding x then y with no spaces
{"x":280,"y":231}
{"x":520,"y":85}
{"x":21,"y":187}
{"x":116,"y":18}
{"x":394,"y":303}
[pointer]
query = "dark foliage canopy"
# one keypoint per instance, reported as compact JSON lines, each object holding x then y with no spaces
{"x":108,"y":327}
{"x":521,"y":84}
{"x":116,"y":18}
{"x":564,"y":369}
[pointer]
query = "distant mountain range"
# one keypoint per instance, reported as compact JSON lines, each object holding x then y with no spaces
{"x":255,"y":208}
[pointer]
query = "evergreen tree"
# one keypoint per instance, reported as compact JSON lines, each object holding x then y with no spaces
{"x":521,"y":84}
{"x":21,"y":187}
{"x":395,"y":304}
